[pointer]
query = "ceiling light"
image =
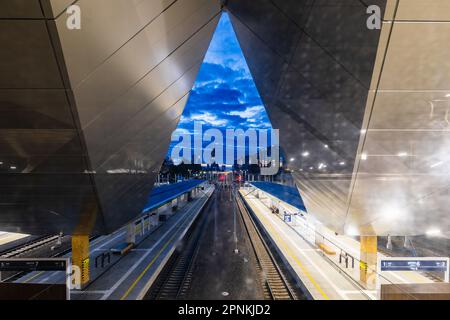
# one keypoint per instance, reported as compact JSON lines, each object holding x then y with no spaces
{"x":402,"y":154}
{"x":292,"y":159}
{"x":433,"y":232}
{"x":342,"y":163}
{"x":364,"y":156}
{"x":363,"y":131}
{"x":437,"y":164}
{"x":13,"y":167}
{"x":392,"y":212}
{"x":326,"y":146}
{"x":352,"y":231}
{"x":305,"y":154}
{"x":448,"y":95}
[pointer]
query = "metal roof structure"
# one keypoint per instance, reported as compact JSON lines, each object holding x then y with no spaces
{"x":287,"y":194}
{"x":165,"y":193}
{"x":87,"y":114}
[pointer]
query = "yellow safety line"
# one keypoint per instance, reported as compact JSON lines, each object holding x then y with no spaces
{"x":286,"y":248}
{"x":151,"y":262}
{"x":36,"y":275}
{"x":149,"y":265}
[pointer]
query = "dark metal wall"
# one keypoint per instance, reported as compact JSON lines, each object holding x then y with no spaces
{"x":312,"y":62}
{"x":363,"y":114}
{"x":86,"y":115}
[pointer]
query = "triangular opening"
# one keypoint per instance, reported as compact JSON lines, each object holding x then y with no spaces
{"x":224,"y":95}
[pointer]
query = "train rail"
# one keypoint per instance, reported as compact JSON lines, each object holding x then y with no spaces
{"x":275,"y":285}
{"x":173,"y":282}
{"x":28,"y":246}
{"x":49,"y":246}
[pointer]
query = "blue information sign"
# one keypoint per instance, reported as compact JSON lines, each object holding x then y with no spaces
{"x":287,"y":218}
{"x":414,"y":265}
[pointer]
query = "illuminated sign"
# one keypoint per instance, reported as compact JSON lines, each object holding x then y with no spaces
{"x":414,"y":265}
{"x":29,"y":265}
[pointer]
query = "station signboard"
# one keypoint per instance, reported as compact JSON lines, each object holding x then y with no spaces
{"x":414,"y":265}
{"x":287,"y":217}
{"x":36,"y":291}
{"x":29,"y":265}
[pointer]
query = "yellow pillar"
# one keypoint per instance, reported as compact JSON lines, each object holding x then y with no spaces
{"x":368,"y":264}
{"x":80,"y":256}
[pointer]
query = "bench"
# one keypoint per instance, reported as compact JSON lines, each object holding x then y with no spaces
{"x":122,"y":248}
{"x":327,"y":249}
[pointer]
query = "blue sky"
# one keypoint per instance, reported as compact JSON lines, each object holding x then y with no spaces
{"x":224,"y":94}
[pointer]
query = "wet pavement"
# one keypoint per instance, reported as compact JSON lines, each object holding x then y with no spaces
{"x":219,"y":272}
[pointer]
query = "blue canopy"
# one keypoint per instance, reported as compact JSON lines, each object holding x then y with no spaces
{"x":165,"y":193}
{"x":287,"y":194}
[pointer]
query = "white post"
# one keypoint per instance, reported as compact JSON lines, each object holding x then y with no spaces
{"x":446,"y":279}
{"x":131,"y":233}
{"x":389,"y":243}
{"x":377,"y":279}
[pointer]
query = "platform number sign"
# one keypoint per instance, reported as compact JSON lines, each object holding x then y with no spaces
{"x":363,"y":266}
{"x":85,"y":270}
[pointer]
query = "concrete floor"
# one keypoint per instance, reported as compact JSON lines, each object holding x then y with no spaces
{"x":219,"y":273}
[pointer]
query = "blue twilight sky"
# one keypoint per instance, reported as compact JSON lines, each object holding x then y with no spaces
{"x":224,"y":94}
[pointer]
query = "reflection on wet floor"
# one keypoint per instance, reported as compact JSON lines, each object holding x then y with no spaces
{"x":219,"y":272}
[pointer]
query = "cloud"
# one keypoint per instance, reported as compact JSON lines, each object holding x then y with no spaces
{"x":224,"y":95}
{"x":259,"y":125}
{"x":248,"y":113}
{"x":209,"y":118}
{"x":214,"y":72}
{"x":224,"y":49}
{"x":182,"y":131}
{"x":220,"y":93}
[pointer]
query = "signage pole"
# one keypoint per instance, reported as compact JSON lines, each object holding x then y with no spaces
{"x":447,"y":272}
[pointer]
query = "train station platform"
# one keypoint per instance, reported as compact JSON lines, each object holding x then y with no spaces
{"x":128,"y":276}
{"x":325,"y":271}
{"x":6,"y":237}
{"x":320,"y":279}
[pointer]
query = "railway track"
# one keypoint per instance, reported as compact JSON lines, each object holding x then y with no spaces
{"x":275,"y":285}
{"x":20,"y":250}
{"x":175,"y":278}
{"x":37,"y":247}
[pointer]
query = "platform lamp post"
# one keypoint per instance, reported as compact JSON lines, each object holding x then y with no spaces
{"x":236,"y":250}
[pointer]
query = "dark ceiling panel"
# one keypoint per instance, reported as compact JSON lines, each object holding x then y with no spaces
{"x":14,"y":9}
{"x":27,"y":59}
{"x":312,"y":62}
{"x":83,"y":158}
